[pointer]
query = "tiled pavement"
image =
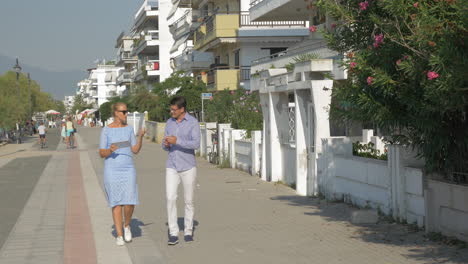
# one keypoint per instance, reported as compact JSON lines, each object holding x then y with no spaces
{"x":239,"y":219}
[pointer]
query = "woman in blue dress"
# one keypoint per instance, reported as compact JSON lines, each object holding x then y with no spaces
{"x":117,"y":146}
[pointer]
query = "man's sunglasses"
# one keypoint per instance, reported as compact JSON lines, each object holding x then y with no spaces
{"x":123,"y":112}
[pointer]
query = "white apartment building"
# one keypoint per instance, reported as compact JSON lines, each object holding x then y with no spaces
{"x":226,"y":41}
{"x":152,"y":42}
{"x":295,"y":92}
{"x":126,"y":61}
{"x":183,"y":21}
{"x":68,"y":102}
{"x":100,"y":85}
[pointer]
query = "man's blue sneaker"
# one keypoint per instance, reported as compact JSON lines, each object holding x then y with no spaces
{"x":188,"y":238}
{"x":173,"y":240}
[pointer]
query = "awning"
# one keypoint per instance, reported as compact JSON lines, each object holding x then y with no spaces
{"x":175,"y":5}
{"x":179,"y":42}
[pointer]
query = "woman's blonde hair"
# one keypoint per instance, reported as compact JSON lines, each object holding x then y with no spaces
{"x":115,"y":105}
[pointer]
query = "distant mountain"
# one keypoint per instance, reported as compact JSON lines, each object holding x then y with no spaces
{"x":58,"y":84}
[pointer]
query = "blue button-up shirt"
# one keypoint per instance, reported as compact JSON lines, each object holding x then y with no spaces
{"x":182,"y":154}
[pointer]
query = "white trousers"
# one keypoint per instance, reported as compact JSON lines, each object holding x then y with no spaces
{"x":188,"y":179}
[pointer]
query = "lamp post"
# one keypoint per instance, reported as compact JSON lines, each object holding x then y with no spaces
{"x":17,"y":70}
{"x":29,"y":97}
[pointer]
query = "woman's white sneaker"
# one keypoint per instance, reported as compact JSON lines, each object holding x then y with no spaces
{"x":119,"y":241}
{"x":127,"y":234}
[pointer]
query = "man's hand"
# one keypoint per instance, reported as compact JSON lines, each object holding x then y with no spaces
{"x":113,"y":148}
{"x":172,"y":140}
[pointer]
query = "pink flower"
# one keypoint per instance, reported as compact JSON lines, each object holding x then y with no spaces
{"x":363,"y":5}
{"x":378,"y":39}
{"x":405,"y":57}
{"x":333,"y":25}
{"x":432,"y":75}
{"x":370,"y":79}
{"x":312,"y":28}
{"x":398,"y":62}
{"x":416,"y":4}
{"x":232,"y":92}
{"x":352,"y":65}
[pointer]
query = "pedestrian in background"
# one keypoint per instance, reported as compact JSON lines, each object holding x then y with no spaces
{"x":117,"y":145}
{"x":70,"y":129}
{"x":181,"y":139}
{"x":63,"y":130}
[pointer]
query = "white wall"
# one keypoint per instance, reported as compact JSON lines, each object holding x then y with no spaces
{"x":447,"y":209}
{"x":390,"y":186}
{"x":165,"y":39}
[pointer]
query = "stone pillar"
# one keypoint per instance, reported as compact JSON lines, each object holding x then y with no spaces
{"x":274,"y":153}
{"x":256,"y":152}
{"x":302,"y":98}
{"x":222,"y":146}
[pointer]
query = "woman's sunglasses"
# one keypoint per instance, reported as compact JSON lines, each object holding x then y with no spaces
{"x":123,"y":112}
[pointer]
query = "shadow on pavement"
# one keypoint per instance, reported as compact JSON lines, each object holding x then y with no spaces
{"x":135,"y":227}
{"x":180,"y":222}
{"x":384,"y":232}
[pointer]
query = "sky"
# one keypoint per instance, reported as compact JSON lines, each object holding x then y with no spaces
{"x":63,"y":35}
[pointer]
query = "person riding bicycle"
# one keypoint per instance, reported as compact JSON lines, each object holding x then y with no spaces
{"x":42,"y":134}
{"x":70,"y":128}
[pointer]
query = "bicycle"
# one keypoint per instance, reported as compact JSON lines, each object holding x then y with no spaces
{"x":213,"y":156}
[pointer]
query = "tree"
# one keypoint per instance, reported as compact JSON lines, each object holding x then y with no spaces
{"x":16,"y":106}
{"x":240,"y":108}
{"x":407,"y":64}
{"x":177,"y":85}
{"x":79,"y":104}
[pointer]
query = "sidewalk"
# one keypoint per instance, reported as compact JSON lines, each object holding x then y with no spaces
{"x":238,"y":219}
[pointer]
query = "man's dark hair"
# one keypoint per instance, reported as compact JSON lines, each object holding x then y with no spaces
{"x":180,"y":102}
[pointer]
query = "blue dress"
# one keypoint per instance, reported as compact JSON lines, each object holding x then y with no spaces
{"x":119,"y":170}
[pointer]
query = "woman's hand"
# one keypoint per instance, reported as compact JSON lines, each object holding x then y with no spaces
{"x":113,"y":148}
{"x":142,"y":132}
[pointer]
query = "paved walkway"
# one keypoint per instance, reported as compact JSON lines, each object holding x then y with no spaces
{"x":54,"y":211}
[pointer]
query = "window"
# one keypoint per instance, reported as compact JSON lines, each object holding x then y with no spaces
{"x":237,"y":58}
{"x":292,"y":118}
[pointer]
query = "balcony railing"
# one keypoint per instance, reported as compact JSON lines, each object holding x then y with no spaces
{"x":255,"y":2}
{"x":223,"y":77}
{"x":245,"y":22}
{"x":245,"y":73}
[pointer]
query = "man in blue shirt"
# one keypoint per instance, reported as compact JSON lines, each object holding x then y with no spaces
{"x":181,"y":139}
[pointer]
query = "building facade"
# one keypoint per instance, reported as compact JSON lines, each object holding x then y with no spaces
{"x":225,"y":41}
{"x":100,"y":85}
{"x":126,"y":62}
{"x":152,"y":42}
{"x":295,"y":91}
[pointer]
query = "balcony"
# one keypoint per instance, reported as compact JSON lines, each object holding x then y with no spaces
{"x":182,"y":25}
{"x":276,"y":10}
{"x":227,"y":27}
{"x":147,"y":43}
{"x":193,"y":60}
{"x":148,"y":70}
{"x":126,"y":57}
{"x":182,"y":3}
{"x":216,"y":26}
{"x":147,"y":14}
{"x":220,"y":78}
{"x":125,"y":77}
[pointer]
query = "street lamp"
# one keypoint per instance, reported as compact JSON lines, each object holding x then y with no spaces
{"x":29,"y":97}
{"x":17,"y":70}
